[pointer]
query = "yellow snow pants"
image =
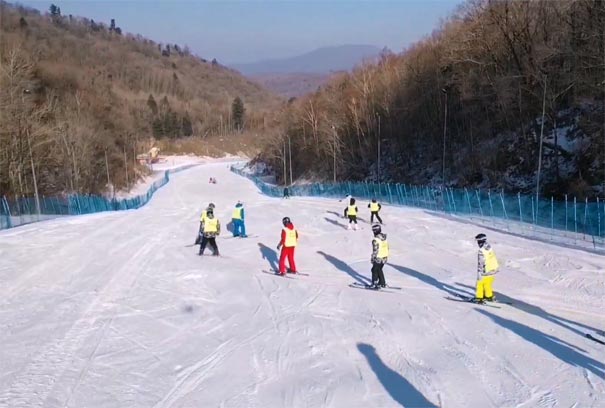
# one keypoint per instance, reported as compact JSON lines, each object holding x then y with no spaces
{"x":484,"y":287}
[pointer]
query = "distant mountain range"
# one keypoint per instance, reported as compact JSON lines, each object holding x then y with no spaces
{"x":291,"y":85}
{"x":320,"y":61}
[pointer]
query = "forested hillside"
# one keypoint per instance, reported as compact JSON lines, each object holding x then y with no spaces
{"x":79,"y":99}
{"x":464,"y":106}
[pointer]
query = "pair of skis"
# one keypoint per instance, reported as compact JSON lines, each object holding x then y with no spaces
{"x":287,"y":275}
{"x":386,"y":289}
{"x":463,"y":298}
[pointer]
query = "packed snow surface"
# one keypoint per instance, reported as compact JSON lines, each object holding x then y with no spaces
{"x":115,"y":310}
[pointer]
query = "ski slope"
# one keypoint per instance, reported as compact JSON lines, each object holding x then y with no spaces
{"x":114,"y":310}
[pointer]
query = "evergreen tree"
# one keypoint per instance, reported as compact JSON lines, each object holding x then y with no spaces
{"x":186,"y":126}
{"x":112,"y":25}
{"x":152,"y":105}
{"x":157,"y":127}
{"x":237,"y":113}
{"x":22,"y":23}
{"x":53,"y":10}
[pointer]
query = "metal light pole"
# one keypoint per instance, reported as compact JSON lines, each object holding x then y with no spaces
{"x":378,"y":168}
{"x":31,"y":157}
{"x":334,"y":130}
{"x":285,"y":171}
{"x":540,"y":149}
{"x":290,"y":157}
{"x":444,"y":135}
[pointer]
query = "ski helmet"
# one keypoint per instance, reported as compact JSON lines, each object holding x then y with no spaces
{"x":373,"y":200}
{"x":376,"y":229}
{"x":286,"y":221}
{"x":211,"y":205}
{"x":480,"y":238}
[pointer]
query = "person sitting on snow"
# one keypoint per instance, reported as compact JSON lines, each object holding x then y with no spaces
{"x":487,"y":268}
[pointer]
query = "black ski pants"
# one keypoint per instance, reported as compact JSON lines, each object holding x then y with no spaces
{"x":375,"y":214}
{"x":378,"y":274}
{"x":352,"y":219}
{"x":212,"y":242}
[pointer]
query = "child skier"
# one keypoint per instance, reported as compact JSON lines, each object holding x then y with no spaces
{"x":211,"y":228}
{"x":375,"y":208}
{"x":202,"y":218}
{"x":380,"y":253}
{"x":239,"y":226}
{"x":351,"y":213}
{"x":487,"y":267}
{"x":287,"y":243}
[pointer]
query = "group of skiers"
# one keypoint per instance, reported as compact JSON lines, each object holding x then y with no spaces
{"x":487,"y":263}
{"x":210,"y":227}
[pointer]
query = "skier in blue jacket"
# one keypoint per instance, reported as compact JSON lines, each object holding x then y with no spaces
{"x":238,"y":217}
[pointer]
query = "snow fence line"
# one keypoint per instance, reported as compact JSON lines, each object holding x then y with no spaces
{"x":23,"y":210}
{"x":570,"y":222}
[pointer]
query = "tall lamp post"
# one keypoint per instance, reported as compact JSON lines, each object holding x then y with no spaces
{"x":378,"y":164}
{"x":334,"y":152}
{"x":444,"y":136}
{"x":290,"y":158}
{"x":285,"y":168}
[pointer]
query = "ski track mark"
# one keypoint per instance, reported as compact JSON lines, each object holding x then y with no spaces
{"x":34,"y":384}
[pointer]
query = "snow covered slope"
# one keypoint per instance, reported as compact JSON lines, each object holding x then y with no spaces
{"x":114,"y":310}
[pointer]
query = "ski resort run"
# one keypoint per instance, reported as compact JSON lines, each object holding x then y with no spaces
{"x":117,"y":309}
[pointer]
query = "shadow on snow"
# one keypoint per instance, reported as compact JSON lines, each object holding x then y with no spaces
{"x":538,"y":311}
{"x":397,"y":386}
{"x":346,"y":268}
{"x":449,"y":289}
{"x":564,"y":351}
{"x":270,"y":255}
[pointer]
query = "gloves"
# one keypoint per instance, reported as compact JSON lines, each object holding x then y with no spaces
{"x":278,"y":247}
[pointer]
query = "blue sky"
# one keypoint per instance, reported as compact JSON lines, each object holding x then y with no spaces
{"x":245,"y":31}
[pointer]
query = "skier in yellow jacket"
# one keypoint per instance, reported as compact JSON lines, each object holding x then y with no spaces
{"x":487,"y":268}
{"x":203,"y":217}
{"x":351,"y":213}
{"x":380,"y":254}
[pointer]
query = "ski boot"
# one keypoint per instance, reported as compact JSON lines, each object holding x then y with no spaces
{"x":478,"y":301}
{"x":490,"y":298}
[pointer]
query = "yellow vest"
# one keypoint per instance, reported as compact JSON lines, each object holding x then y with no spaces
{"x":204,"y":216}
{"x":352,"y":210}
{"x":383,"y":248}
{"x":290,"y":240}
{"x":211,"y":225}
{"x":491,"y":263}
{"x":374,"y":207}
{"x":237,"y":214}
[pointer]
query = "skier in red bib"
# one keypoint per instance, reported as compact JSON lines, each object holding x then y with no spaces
{"x":289,"y":239}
